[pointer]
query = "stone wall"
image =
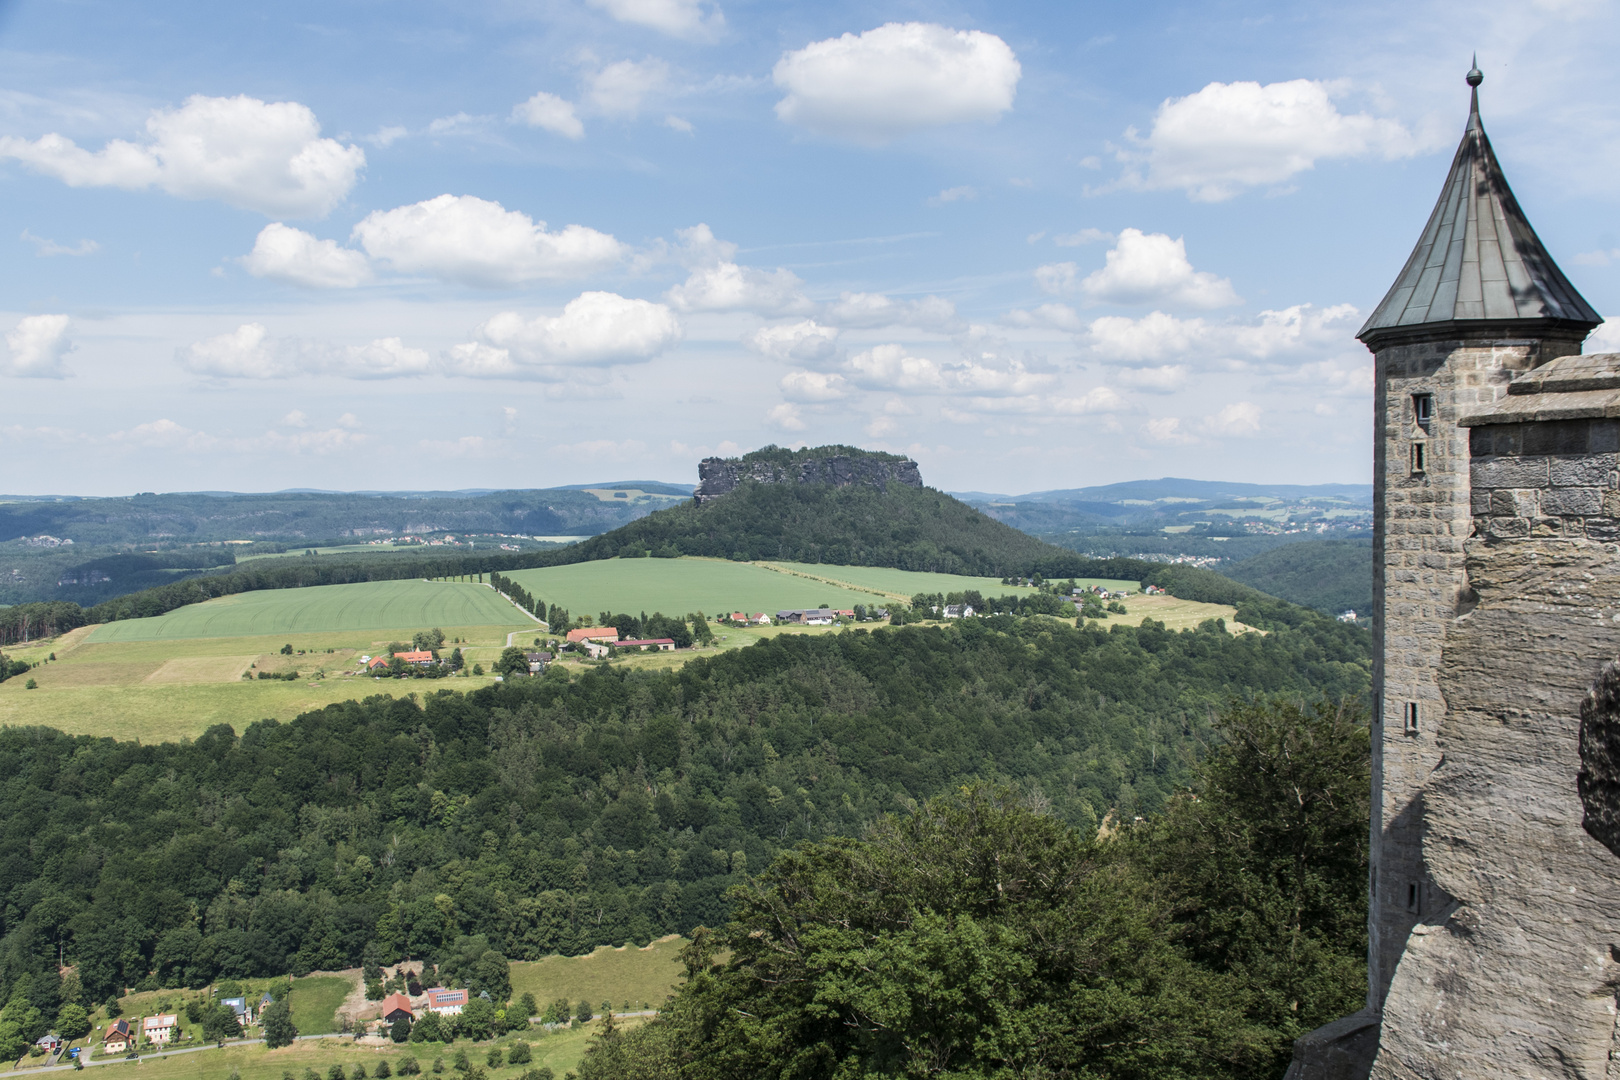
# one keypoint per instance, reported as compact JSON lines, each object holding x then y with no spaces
{"x":1515,"y":976}
{"x":718,"y":476}
{"x":1421,"y":520}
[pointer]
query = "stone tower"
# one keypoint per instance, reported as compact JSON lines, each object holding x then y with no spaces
{"x":1479,"y":302}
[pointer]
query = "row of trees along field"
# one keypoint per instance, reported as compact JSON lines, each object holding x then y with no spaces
{"x":557,"y":814}
{"x":983,"y":936}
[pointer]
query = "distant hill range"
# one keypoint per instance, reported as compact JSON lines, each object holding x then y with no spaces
{"x":306,"y":517}
{"x":1170,"y":501}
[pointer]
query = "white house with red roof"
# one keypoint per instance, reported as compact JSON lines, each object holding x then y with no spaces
{"x":446,"y":1002}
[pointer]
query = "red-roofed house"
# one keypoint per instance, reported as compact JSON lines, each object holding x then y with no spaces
{"x":376,"y":662}
{"x":419,"y":657}
{"x":117,"y":1038}
{"x":395,"y":1006}
{"x":759,"y":618}
{"x":447,"y":1002}
{"x":662,"y":644}
{"x":594,"y":633}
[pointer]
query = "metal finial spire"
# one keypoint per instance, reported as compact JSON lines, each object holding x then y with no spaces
{"x":1475,"y":76}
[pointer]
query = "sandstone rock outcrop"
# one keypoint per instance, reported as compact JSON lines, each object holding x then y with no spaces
{"x":838,"y":467}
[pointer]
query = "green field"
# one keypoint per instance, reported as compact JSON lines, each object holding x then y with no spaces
{"x":623,"y":975}
{"x":315,"y":1002}
{"x":908,"y":583}
{"x":713,"y":586}
{"x":365,"y":606}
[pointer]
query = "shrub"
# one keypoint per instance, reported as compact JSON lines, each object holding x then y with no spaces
{"x":519,"y":1054}
{"x":357,"y":1071}
{"x":382,"y":1071}
{"x":496,"y":1058}
{"x":335,"y":1073}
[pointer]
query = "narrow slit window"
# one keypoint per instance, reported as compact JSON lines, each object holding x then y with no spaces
{"x":1410,"y":725}
{"x":1414,"y":897}
{"x":1420,"y":457}
{"x":1423,"y":408}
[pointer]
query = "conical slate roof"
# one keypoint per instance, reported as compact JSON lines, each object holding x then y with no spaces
{"x":1479,"y":264}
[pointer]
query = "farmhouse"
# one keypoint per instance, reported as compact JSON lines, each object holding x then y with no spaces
{"x":594,"y":633}
{"x":537,"y":661}
{"x":662,"y":644}
{"x":418,"y":657}
{"x":807,"y":617}
{"x":117,"y":1038}
{"x":958,"y":611}
{"x":397,"y":1007}
{"x":239,"y":1006}
{"x":446,"y":1002}
{"x":159,"y":1029}
{"x":377,"y":662}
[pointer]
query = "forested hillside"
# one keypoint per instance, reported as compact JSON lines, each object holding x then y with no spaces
{"x":1329,"y":575}
{"x":555,"y":815}
{"x":980,"y":937}
{"x":906,"y":528}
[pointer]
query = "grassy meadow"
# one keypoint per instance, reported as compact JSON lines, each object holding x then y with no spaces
{"x":625,"y":976}
{"x":367,"y":605}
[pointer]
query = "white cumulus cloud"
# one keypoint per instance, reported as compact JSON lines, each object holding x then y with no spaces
{"x":689,"y":19}
{"x":813,"y":386}
{"x":1142,"y":268}
{"x":249,"y":352}
{"x":263,"y":156}
{"x":897,"y":78}
{"x":728,"y":286}
{"x":805,"y":342}
{"x":1241,"y":418}
{"x":287,"y":254}
{"x":37,"y":345}
{"x":550,"y":113}
{"x":1230,"y":136}
{"x":786,"y":416}
{"x":471,"y":240}
{"x":1302,"y":332}
{"x":621,"y":87}
{"x":593,"y":329}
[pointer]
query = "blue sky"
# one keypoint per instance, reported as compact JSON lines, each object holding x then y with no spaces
{"x":414,"y":245}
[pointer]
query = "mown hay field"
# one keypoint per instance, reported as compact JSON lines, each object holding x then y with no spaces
{"x":325,"y":608}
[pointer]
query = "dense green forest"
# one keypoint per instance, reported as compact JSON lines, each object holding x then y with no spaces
{"x":1329,"y":575}
{"x":555,"y":814}
{"x":983,"y":937}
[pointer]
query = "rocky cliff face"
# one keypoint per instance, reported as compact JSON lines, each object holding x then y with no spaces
{"x":718,"y":476}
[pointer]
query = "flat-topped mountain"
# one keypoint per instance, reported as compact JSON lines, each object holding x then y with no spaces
{"x":838,"y":466}
{"x":826,"y":504}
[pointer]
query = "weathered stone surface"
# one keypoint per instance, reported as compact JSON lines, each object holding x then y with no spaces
{"x":718,"y":476}
{"x":1513,"y":976}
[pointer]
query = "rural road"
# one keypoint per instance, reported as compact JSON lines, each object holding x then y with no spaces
{"x":234,"y":1042}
